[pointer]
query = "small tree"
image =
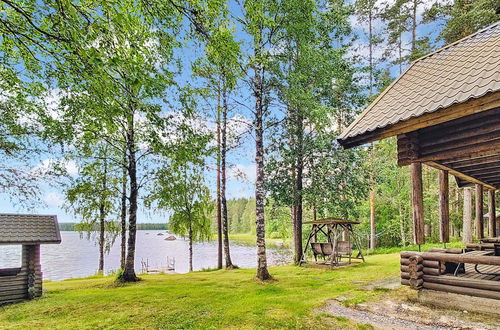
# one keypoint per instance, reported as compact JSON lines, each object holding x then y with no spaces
{"x":183,"y":191}
{"x":92,"y":196}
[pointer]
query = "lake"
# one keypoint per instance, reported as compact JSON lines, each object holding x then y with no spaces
{"x":78,"y":257}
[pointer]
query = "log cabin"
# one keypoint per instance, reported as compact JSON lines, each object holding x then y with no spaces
{"x":444,"y":111}
{"x":29,"y":231}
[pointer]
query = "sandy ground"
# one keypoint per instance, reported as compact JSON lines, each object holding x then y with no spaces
{"x":398,"y":309}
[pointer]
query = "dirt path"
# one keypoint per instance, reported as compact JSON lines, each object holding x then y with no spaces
{"x":376,"y":320}
{"x":399,"y":309}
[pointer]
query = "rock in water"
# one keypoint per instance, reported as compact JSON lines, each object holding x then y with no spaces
{"x":170,"y":238}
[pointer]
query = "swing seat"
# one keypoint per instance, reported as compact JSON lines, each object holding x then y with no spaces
{"x":322,"y":249}
{"x":344,"y":249}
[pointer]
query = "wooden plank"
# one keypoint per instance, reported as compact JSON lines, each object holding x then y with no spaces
{"x":463,"y":282}
{"x":480,"y":162}
{"x":460,"y":141}
{"x":462,"y":290}
{"x":417,"y":203}
{"x":465,"y":258}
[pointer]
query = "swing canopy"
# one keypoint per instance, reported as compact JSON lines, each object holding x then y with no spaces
{"x":325,"y":221}
{"x":340,"y":241}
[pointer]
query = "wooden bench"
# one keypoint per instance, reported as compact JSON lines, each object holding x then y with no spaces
{"x":325,"y":250}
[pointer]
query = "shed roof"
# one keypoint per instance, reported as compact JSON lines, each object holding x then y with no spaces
{"x":461,"y":71}
{"x":29,"y":229}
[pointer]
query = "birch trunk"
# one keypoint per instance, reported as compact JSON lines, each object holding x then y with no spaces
{"x":123,"y":214}
{"x":129,"y":271}
{"x":225,"y":223}
{"x":219,"y":215}
{"x":262,"y":272}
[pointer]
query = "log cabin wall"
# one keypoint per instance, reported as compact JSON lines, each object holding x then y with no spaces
{"x":25,"y":282}
{"x":434,"y":270}
{"x":468,"y":146}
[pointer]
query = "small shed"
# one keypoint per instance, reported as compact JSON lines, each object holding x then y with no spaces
{"x":28,"y":230}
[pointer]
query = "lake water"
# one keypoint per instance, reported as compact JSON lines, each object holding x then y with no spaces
{"x":78,"y":257}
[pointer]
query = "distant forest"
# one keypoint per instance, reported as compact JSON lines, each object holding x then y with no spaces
{"x":72,"y":226}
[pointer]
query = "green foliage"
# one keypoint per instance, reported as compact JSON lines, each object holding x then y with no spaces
{"x":465,"y":17}
{"x":181,"y":190}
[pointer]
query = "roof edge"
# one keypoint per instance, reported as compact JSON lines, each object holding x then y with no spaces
{"x":342,"y":137}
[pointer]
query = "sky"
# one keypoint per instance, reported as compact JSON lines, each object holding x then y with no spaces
{"x":241,"y":172}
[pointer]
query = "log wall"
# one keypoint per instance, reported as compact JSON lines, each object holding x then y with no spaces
{"x":23,"y":283}
{"x":429,"y":271}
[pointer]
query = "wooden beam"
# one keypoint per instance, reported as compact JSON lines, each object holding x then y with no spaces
{"x":476,"y":162}
{"x":479,"y":212}
{"x":484,"y":171}
{"x":492,"y":213}
{"x":459,"y":174}
{"x":488,"y":177}
{"x":486,"y":102}
{"x":463,"y":140}
{"x":444,"y":212}
{"x":417,"y":203}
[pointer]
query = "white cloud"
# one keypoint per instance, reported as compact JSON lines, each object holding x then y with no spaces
{"x":53,"y":200}
{"x":48,"y":164}
{"x":243,"y":173}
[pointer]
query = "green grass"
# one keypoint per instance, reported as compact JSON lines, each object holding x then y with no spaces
{"x":249,"y":239}
{"x":215,"y":299}
{"x":423,"y":247}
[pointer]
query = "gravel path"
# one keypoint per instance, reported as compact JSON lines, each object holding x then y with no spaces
{"x":376,"y":320}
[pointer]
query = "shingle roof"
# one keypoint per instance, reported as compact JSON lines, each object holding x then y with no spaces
{"x":29,"y":229}
{"x":466,"y":69}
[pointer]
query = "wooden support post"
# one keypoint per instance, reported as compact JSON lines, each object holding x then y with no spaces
{"x":479,"y":211}
{"x":444,"y":211}
{"x":417,"y":203}
{"x":467,"y":230}
{"x":492,"y":213}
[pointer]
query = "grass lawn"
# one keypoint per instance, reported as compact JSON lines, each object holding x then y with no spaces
{"x":216,"y":299}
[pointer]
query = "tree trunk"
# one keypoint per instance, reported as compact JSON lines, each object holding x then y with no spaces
{"x":400,"y":50}
{"x":225,"y":230}
{"x":123,"y":213}
{"x":479,"y":212}
{"x":129,"y":271}
{"x":467,"y":230}
{"x":414,"y":28}
{"x":102,"y":216}
{"x":298,"y":187}
{"x":402,"y":226}
{"x":262,"y":272}
{"x":373,"y":220}
{"x":370,"y":45}
{"x":219,"y":215}
{"x":101,"y":239}
{"x":492,"y":213}
{"x":190,"y":247}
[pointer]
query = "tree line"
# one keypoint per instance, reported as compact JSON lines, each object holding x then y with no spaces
{"x":147,"y":99}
